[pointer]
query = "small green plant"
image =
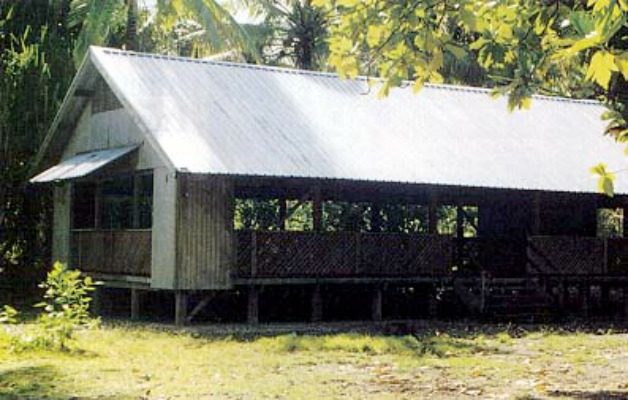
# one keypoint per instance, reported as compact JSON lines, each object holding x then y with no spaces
{"x":65,"y":309}
{"x":8,"y":315}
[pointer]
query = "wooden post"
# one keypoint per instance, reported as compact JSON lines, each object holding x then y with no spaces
{"x":483,"y":284}
{"x":459,"y":223}
{"x":282,"y":214}
{"x":376,"y":310}
{"x":253,"y":254}
{"x":135,"y":303}
{"x":625,"y":296}
{"x":136,"y":202}
{"x":432,"y":303}
{"x":180,"y":307}
{"x":562,"y":292}
{"x":97,"y":205}
{"x":317,"y":210}
{"x":376,"y":219}
{"x":536,"y":214}
{"x":432,"y":218}
{"x":97,"y":301}
{"x":252,"y":314}
{"x":625,"y":222}
{"x":605,"y":261}
{"x":317,"y":304}
{"x":584,"y":298}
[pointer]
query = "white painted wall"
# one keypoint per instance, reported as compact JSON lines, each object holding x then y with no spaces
{"x":164,"y":229}
{"x":116,"y":128}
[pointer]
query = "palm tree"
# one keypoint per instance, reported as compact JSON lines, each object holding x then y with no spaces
{"x":295,"y":31}
{"x":115,"y":22}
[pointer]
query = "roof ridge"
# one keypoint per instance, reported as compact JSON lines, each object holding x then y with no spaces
{"x":295,"y":71}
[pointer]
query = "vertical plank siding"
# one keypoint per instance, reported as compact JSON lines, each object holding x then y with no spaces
{"x":112,"y":252}
{"x":205,"y":251}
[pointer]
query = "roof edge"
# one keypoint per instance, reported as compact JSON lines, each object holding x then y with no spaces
{"x":364,"y":78}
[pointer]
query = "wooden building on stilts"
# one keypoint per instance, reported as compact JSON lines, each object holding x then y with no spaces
{"x":196,"y":178}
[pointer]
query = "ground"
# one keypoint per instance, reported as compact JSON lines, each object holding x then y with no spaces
{"x":144,"y":361}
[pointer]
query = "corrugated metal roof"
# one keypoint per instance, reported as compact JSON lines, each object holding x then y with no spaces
{"x":213,"y":117}
{"x":82,"y":164}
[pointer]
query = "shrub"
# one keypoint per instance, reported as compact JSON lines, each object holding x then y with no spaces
{"x":65,"y":307}
{"x":8,"y":315}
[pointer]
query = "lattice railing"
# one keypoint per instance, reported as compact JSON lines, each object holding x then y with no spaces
{"x":566,"y":255}
{"x":617,"y":252}
{"x":341,"y":254}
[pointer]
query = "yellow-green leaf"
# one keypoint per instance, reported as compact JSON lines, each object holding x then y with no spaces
{"x":374,"y":35}
{"x":457,"y":51}
{"x":418,"y":85}
{"x":600,"y":68}
{"x":621,"y":61}
{"x":348,"y":3}
{"x":606,"y":179}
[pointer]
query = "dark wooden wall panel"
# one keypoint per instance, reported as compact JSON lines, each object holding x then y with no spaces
{"x":112,"y":252}
{"x":205,"y":252}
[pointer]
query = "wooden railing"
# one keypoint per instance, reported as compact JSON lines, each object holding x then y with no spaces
{"x":123,"y":252}
{"x":341,"y":254}
{"x":568,"y":255}
{"x":282,"y":254}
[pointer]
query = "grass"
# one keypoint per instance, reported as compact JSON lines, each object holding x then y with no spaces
{"x":141,"y":362}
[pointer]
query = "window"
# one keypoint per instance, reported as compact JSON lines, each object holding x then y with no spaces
{"x":345,"y":216}
{"x":610,"y":222}
{"x":406,"y":218}
{"x":300,"y":215}
{"x":450,"y":216}
{"x":123,"y":201}
{"x":127,"y":202}
{"x":447,"y":222}
{"x":256,"y":214}
{"x":470,"y":219}
{"x":117,"y":203}
{"x":83,"y":205}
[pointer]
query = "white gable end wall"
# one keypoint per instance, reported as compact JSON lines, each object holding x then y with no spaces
{"x":116,"y":128}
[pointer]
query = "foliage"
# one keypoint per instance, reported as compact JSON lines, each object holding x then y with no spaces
{"x":65,"y":309}
{"x":35,"y":71}
{"x":65,"y":306}
{"x":183,"y":27}
{"x":8,"y":315}
{"x":606,"y":178}
{"x":294,"y":32}
{"x":610,"y":222}
{"x":574,"y":49}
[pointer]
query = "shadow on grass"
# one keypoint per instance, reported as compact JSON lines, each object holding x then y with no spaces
{"x":36,"y":382}
{"x":30,"y":383}
{"x":590,"y":395}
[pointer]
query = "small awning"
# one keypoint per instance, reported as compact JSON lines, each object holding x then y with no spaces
{"x":82,"y":164}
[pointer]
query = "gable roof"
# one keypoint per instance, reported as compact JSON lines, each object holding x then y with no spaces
{"x":226,"y":118}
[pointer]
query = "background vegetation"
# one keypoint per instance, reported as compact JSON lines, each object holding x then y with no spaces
{"x":520,"y":47}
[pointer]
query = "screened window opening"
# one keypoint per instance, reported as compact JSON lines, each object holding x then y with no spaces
{"x":83,"y":205}
{"x":117,"y":203}
{"x":610,"y":222}
{"x":120,"y":202}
